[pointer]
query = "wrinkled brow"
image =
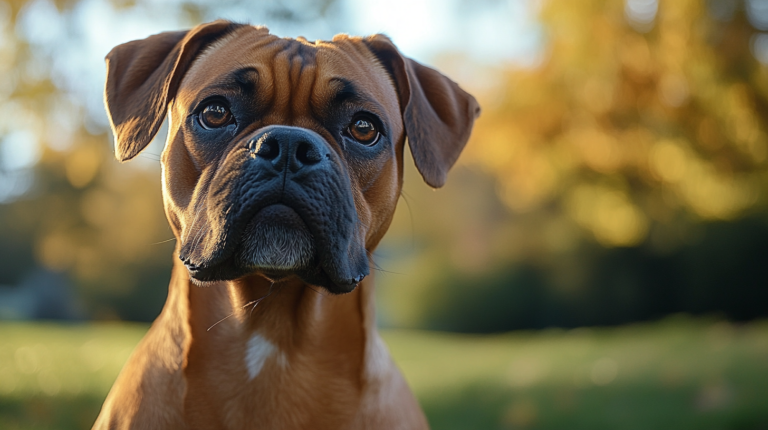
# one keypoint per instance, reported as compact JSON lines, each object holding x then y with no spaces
{"x":345,"y":91}
{"x":241,"y":80}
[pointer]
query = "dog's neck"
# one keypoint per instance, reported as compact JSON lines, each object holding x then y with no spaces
{"x":266,"y":346}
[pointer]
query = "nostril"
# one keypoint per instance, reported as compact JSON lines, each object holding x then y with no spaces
{"x":307,"y":153}
{"x":266,"y":147}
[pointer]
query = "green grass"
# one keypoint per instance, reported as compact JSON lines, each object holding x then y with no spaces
{"x":675,"y":374}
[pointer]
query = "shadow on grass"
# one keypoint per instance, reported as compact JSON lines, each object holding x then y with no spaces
{"x":486,"y":407}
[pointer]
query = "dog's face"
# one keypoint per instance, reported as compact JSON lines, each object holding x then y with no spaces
{"x":284,"y":157}
{"x":289,"y":143}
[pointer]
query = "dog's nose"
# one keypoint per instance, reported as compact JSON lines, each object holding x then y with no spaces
{"x":283,"y":146}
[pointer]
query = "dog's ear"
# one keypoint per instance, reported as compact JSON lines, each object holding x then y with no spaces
{"x":142,"y":78}
{"x":438,"y":115}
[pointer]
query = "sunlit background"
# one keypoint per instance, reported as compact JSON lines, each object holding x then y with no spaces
{"x":598,"y":258}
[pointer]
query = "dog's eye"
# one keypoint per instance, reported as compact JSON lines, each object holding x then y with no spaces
{"x":215,"y":115}
{"x":364,"y":131}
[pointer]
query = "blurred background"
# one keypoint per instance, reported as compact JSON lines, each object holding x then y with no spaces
{"x":597,"y":259}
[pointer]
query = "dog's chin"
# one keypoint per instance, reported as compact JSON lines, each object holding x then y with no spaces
{"x":275,"y":242}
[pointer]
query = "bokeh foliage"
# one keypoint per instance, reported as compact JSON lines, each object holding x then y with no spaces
{"x":626,"y":132}
{"x":66,"y":205}
{"x":629,"y":165}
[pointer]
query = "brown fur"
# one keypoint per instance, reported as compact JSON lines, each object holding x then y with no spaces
{"x":331,"y":369}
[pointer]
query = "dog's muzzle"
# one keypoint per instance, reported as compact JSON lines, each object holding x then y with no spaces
{"x":281,"y":204}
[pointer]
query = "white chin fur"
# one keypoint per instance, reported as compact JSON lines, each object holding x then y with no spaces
{"x":278,"y":248}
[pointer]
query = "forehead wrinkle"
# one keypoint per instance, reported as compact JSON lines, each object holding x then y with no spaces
{"x":350,"y":94}
{"x":241,"y":80}
{"x":305,"y":87}
{"x":233,"y":83}
{"x":354,"y":95}
{"x":281,"y":76}
{"x":247,"y":78}
{"x":293,"y":72}
{"x":345,"y":90}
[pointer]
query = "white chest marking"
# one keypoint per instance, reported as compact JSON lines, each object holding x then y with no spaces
{"x":258,"y":349}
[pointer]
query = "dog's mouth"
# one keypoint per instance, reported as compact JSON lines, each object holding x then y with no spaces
{"x":276,"y":243}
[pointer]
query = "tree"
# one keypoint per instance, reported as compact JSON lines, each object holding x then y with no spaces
{"x":639,"y":115}
{"x":66,"y":205}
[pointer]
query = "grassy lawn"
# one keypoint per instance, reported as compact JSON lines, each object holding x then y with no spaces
{"x":675,"y":374}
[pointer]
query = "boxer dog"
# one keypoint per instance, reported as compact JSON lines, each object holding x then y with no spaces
{"x":280,"y":175}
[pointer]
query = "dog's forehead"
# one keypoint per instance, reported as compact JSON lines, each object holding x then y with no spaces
{"x":292,"y":65}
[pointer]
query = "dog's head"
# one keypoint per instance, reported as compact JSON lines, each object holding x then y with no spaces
{"x":284,"y":157}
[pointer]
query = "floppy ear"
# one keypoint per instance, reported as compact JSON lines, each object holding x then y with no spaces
{"x":437,"y":114}
{"x":142,"y":78}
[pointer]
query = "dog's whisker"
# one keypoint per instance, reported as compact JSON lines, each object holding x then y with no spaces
{"x":406,"y":198}
{"x":252,"y":302}
{"x":387,"y":271}
{"x":220,"y":321}
{"x":164,"y":241}
{"x":376,"y":265}
{"x":257,"y":301}
{"x":316,"y":290}
{"x":192,"y":226}
{"x":198,"y":238}
{"x":152,"y":157}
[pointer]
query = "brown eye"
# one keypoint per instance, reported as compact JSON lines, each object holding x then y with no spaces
{"x":363,"y":131}
{"x":215,"y":115}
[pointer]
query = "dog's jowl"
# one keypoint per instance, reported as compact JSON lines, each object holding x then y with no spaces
{"x":281,"y":173}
